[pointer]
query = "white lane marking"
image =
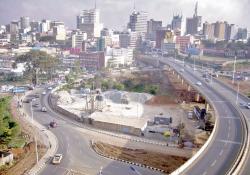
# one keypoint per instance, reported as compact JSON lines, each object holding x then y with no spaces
{"x":205,"y":173}
{"x":221,"y":152}
{"x":229,"y":141}
{"x":235,"y":118}
{"x":214,"y":162}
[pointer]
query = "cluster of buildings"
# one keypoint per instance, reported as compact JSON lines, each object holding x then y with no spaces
{"x":96,"y":47}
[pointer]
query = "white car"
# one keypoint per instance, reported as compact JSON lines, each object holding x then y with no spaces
{"x":44,"y":109}
{"x":44,"y":93}
{"x":49,"y":88}
{"x":248,"y":105}
{"x":198,"y":83}
{"x":57,"y":159}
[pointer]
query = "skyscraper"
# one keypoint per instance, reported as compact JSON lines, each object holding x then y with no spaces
{"x":152,"y":27}
{"x":89,"y":21}
{"x":25,"y":22}
{"x":220,"y":30}
{"x":138,"y":23}
{"x":208,"y":30}
{"x":177,"y":24}
{"x":193,"y":24}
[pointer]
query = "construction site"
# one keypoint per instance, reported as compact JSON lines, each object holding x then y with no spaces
{"x":166,"y":115}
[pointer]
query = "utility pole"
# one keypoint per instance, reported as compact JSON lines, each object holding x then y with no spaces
{"x":238,"y":90}
{"x":234,"y":69}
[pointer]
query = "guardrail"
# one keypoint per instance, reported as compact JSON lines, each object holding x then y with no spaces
{"x":244,"y":148}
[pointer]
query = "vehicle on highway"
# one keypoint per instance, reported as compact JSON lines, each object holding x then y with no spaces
{"x":43,"y":109}
{"x":35,"y":105}
{"x":207,"y":80}
{"x":57,"y":159}
{"x":49,"y":88}
{"x":248,"y":106}
{"x":53,"y":124}
{"x":198,"y":83}
{"x":182,"y":70}
{"x":44,"y":93}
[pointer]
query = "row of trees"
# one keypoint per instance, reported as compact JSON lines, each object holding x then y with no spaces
{"x":38,"y":63}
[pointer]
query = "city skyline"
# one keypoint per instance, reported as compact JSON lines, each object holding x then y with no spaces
{"x":107,"y":8}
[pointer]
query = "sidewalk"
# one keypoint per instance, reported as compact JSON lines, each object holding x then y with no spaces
{"x":52,"y":143}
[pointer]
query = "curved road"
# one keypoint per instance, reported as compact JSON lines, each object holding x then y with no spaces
{"x":78,"y":157}
{"x":225,"y":146}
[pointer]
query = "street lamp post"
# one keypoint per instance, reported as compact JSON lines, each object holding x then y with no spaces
{"x":235,"y":59}
{"x":238,"y":90}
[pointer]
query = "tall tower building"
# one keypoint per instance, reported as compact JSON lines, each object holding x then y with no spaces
{"x":152,"y":27}
{"x":89,"y":21}
{"x":208,"y":30}
{"x":220,"y":30}
{"x":25,"y":22}
{"x":193,"y":25}
{"x":177,"y":24}
{"x":138,"y":23}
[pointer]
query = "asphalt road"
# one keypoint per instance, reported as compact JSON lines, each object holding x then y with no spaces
{"x":224,"y":148}
{"x":78,"y":157}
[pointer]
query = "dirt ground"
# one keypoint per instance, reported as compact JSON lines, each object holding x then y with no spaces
{"x":165,"y":162}
{"x":24,"y":158}
{"x":244,"y":86}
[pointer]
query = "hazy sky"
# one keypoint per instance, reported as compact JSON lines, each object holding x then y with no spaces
{"x":114,"y":13}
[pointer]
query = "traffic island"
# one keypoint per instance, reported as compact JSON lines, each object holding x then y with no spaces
{"x":139,"y":157}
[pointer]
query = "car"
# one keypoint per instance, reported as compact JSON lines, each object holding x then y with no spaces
{"x":248,"y":106}
{"x":198,"y":83}
{"x":43,"y":109}
{"x":57,"y":159}
{"x":27,"y":100}
{"x":207,"y":80}
{"x":35,"y":105}
{"x":49,"y":88}
{"x":44,"y":93}
{"x":182,"y":70}
{"x":53,"y":124}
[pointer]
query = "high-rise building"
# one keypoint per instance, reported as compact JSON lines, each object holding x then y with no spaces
{"x":160,"y":36}
{"x":138,"y":23}
{"x":77,"y":39}
{"x":231,"y":32}
{"x":14,"y":27}
{"x":152,"y":27}
{"x":35,"y":26}
{"x":45,"y":26}
{"x":242,"y":34}
{"x":89,"y":21}
{"x":220,"y":30}
{"x":208,"y":30}
{"x":124,"y":38}
{"x":25,"y":22}
{"x":59,"y":32}
{"x":177,"y":24}
{"x":193,"y":24}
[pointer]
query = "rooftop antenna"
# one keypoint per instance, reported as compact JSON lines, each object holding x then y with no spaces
{"x":196,"y":9}
{"x":134,"y":5}
{"x":95,"y":4}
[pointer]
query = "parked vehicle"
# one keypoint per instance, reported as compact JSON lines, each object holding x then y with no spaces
{"x":57,"y":159}
{"x":44,"y":93}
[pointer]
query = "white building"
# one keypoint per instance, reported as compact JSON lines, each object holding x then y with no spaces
{"x":138,"y":23}
{"x":116,"y":57}
{"x":44,"y":26}
{"x":89,"y":21}
{"x":77,"y":38}
{"x":59,"y":32}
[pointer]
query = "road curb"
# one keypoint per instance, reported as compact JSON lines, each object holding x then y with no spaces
{"x":53,"y":142}
{"x":125,"y":161}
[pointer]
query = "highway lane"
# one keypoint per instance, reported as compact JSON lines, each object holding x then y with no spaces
{"x":75,"y":146}
{"x":223,"y":150}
